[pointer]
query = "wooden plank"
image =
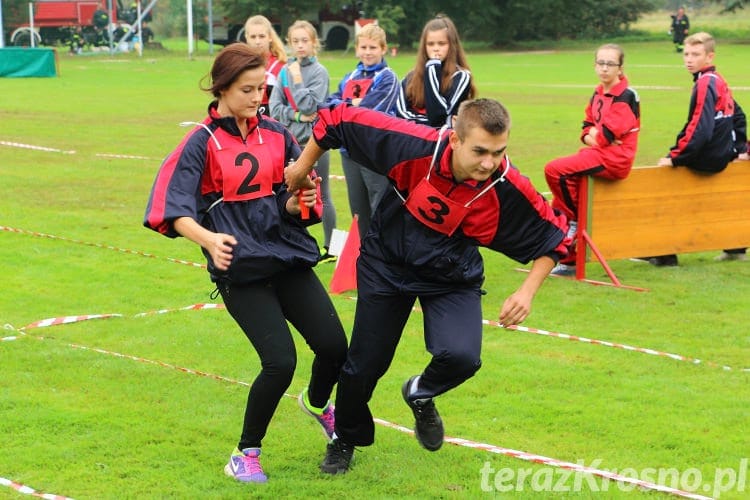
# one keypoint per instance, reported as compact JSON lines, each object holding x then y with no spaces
{"x":664,"y":210}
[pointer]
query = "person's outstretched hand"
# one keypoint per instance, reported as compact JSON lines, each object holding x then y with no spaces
{"x":516,"y":308}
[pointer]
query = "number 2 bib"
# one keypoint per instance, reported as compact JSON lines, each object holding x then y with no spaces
{"x":246,"y":175}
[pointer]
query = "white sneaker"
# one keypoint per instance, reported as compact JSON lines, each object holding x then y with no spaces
{"x":563,"y":270}
{"x":572,"y":229}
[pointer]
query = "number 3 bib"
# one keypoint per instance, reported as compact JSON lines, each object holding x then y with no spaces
{"x":435,"y":210}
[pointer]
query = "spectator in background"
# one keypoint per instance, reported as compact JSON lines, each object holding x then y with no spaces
{"x":441,"y":80}
{"x":374,"y":85}
{"x":301,"y":86}
{"x":716,"y":130}
{"x":260,"y":34}
{"x":680,"y":28}
{"x":610,"y":134}
{"x":148,"y":34}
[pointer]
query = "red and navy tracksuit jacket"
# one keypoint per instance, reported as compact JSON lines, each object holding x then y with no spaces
{"x":716,"y":129}
{"x":617,"y":114}
{"x":509,"y":216}
{"x":235,"y":186}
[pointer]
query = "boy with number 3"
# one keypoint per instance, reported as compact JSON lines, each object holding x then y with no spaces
{"x":451,"y":191}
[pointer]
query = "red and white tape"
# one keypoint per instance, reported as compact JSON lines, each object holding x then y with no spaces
{"x":161,"y":363}
{"x":99,"y":245}
{"x":27,"y":490}
{"x":565,"y":336}
{"x":604,"y":343}
{"x":194,"y":307}
{"x":530,"y":457}
{"x":615,"y":345}
{"x":539,"y":459}
{"x":117,"y":156}
{"x":64,"y":320}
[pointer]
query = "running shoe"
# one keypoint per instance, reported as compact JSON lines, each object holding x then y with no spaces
{"x":324,"y":417}
{"x":338,"y":457}
{"x":428,"y":426}
{"x":563,"y":270}
{"x":244,"y":466}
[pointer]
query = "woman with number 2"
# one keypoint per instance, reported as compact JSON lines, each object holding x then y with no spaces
{"x":223,"y":188}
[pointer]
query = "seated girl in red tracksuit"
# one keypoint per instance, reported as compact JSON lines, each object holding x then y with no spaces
{"x":610,"y":133}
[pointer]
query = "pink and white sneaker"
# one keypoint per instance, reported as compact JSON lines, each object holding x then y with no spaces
{"x":244,"y":466}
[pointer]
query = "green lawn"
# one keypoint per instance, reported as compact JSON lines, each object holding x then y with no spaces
{"x":159,"y":419}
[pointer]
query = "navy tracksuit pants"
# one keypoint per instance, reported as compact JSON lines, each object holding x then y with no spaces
{"x":452,"y":333}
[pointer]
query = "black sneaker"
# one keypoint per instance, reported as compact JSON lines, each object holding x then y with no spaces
{"x":338,"y":457}
{"x":663,"y":261}
{"x":428,"y":426}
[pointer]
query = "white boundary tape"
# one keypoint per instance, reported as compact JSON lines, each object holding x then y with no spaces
{"x":615,"y":345}
{"x":35,"y":148}
{"x":560,"y":335}
{"x":105,"y":155}
{"x":529,"y":457}
{"x":98,"y":245}
{"x":124,"y":157}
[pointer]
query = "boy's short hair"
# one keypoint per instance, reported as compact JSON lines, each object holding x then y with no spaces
{"x":702,"y":38}
{"x":373,"y":32}
{"x":487,"y":114}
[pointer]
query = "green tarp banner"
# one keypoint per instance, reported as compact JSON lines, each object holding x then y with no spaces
{"x":24,"y":62}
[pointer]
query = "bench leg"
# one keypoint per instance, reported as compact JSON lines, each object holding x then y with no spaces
{"x":588,"y":241}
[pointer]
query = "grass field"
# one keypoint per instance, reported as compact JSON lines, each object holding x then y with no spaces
{"x":149,"y":406}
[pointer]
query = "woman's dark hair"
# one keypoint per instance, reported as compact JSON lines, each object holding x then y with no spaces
{"x":230,"y":63}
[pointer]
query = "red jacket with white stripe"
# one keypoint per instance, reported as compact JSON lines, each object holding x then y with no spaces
{"x":716,"y":131}
{"x":617,"y":117}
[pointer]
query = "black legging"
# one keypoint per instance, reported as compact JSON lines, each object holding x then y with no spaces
{"x":262,"y":310}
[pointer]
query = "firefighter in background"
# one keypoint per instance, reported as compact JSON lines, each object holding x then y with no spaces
{"x":77,"y":41}
{"x":680,"y":28}
{"x":148,"y":35}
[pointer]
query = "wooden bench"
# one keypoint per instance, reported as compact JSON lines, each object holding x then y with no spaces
{"x":662,"y":210}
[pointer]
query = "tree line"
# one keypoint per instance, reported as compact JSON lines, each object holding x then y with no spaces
{"x":496,"y":23}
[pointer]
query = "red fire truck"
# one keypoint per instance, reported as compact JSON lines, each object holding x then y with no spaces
{"x":65,"y":22}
